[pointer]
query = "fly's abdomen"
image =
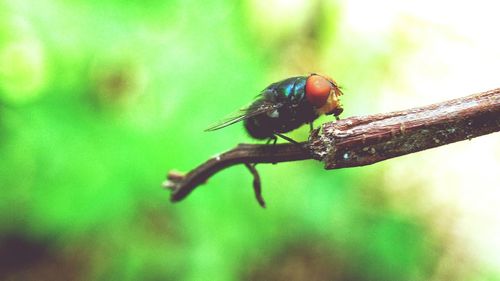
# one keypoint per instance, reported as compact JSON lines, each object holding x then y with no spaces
{"x":258,"y":128}
{"x":281,"y":120}
{"x":261,"y":126}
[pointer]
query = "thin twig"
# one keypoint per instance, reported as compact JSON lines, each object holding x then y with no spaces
{"x":181,"y":186}
{"x":257,"y":186}
{"x":362,"y":140}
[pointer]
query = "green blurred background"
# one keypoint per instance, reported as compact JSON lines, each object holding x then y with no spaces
{"x":99,"y":99}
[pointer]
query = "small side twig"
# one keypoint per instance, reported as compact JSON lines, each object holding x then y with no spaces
{"x":257,"y":187}
{"x":362,"y":140}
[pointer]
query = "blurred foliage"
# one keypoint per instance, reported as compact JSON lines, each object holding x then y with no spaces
{"x":98,"y":99}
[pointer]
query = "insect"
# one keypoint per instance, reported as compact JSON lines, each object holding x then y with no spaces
{"x":286,"y":105}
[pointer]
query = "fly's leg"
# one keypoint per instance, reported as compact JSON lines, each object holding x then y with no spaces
{"x":292,"y":141}
{"x":272,"y":139}
{"x":286,"y":138}
{"x":313,"y":133}
{"x":257,"y":187}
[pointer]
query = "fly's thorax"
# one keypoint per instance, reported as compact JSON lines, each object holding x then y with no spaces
{"x":290,"y":91}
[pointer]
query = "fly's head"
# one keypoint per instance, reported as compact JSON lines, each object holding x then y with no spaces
{"x":323,"y":93}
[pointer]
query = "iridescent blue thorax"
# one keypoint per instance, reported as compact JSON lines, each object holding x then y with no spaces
{"x":291,"y":89}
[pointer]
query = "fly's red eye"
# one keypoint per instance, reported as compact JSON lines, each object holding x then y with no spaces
{"x":317,"y":90}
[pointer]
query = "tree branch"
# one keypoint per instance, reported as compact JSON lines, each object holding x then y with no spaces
{"x":362,"y":140}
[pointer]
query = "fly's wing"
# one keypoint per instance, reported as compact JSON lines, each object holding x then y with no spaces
{"x":242,"y":114}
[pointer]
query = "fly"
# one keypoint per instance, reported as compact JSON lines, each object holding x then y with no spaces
{"x":286,"y":105}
